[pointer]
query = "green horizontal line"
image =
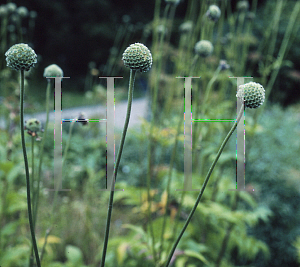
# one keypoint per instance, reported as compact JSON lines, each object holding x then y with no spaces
{"x":212,"y":120}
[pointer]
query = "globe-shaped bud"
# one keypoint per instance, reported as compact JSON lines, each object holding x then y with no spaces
{"x":32,"y":14}
{"x":20,"y":57}
{"x":11,"y":7}
{"x":186,"y":27}
{"x":22,"y":11}
{"x":242,"y":5}
{"x":252,"y":93}
{"x":53,"y":71}
{"x":33,"y":126}
{"x":3,"y":11}
{"x":137,"y":57}
{"x":223,"y":65}
{"x":204,"y":48}
{"x":213,"y":13}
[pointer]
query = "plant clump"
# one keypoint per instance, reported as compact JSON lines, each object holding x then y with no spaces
{"x":137,"y":57}
{"x":252,"y":93}
{"x":21,"y":57}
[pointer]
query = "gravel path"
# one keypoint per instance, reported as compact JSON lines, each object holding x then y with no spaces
{"x":138,"y":110}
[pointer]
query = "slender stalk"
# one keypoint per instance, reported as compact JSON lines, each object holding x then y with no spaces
{"x":48,"y":231}
{"x":32,"y":177}
{"x":204,"y":185}
{"x":31,"y":224}
{"x":111,"y":197}
{"x":41,"y":154}
{"x":33,"y":194}
{"x":172,"y":160}
{"x":68,"y":142}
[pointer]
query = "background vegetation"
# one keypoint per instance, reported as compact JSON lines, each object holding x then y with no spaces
{"x":86,"y":39}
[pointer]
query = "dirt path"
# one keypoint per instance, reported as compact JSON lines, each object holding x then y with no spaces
{"x":138,"y":109}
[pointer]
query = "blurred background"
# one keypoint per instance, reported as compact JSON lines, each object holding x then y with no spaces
{"x":86,"y":39}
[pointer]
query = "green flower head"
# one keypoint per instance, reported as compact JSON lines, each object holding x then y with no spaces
{"x":20,"y":57}
{"x":33,"y":126}
{"x":137,"y":57}
{"x":204,"y":48}
{"x":213,"y":13}
{"x":53,"y":71}
{"x":252,"y":93}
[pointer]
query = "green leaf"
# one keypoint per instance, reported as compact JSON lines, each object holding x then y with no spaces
{"x":196,"y":255}
{"x":137,"y":229}
{"x":74,"y":254}
{"x":6,"y":166}
{"x":9,"y":228}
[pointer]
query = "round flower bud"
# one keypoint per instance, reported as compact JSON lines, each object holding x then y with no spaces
{"x":22,"y":11}
{"x":3,"y":11}
{"x":53,"y":71}
{"x":137,"y":57}
{"x":11,"y":7}
{"x":161,"y":29}
{"x":204,"y":48}
{"x":250,"y":16}
{"x":243,"y":5}
{"x":33,"y":125}
{"x":20,"y":57}
{"x":32,"y":14}
{"x":252,"y":93}
{"x":186,"y":27}
{"x":223,"y":65}
{"x":213,"y":13}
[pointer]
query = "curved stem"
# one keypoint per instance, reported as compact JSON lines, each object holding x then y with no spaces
{"x":172,"y":160}
{"x":27,"y":170}
{"x":111,"y":197}
{"x":204,"y":185}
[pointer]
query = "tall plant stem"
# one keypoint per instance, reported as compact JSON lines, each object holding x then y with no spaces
{"x":33,"y":194}
{"x":37,"y":193}
{"x":172,"y":160}
{"x":111,"y":197}
{"x":204,"y":185}
{"x":31,"y":224}
{"x":48,"y":231}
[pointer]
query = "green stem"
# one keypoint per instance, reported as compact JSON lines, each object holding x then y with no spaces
{"x":33,"y":195}
{"x":37,"y":193}
{"x":32,"y":177}
{"x":170,"y":177}
{"x":111,"y":197}
{"x":204,"y":185}
{"x":48,"y":231}
{"x":68,"y":142}
{"x":27,"y":169}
